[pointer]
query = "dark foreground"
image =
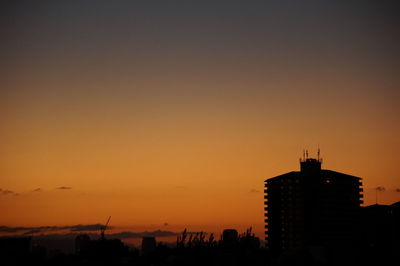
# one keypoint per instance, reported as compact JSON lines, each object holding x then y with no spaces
{"x":193,"y":249}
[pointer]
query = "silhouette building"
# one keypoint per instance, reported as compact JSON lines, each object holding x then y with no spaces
{"x":381,"y":228}
{"x":149,"y":245}
{"x":311,"y":208}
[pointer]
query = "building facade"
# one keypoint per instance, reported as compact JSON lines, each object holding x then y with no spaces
{"x":312,"y":207}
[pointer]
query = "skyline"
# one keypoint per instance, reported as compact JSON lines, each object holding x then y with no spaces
{"x":153,"y":112}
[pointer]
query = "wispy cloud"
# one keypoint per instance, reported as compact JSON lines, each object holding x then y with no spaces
{"x":157,"y":233}
{"x":64,"y":188}
{"x":86,"y":227}
{"x":41,"y":229}
{"x":380,"y":189}
{"x":6,"y":192}
{"x":121,"y":235}
{"x":31,"y":232}
{"x":49,"y":232}
{"x":37,"y":190}
{"x":253,"y":190}
{"x":397,"y":190}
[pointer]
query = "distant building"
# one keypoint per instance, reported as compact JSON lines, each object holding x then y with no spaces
{"x":101,"y":248}
{"x":148,"y":245}
{"x":311,"y":208}
{"x":82,"y":243}
{"x":381,"y":228}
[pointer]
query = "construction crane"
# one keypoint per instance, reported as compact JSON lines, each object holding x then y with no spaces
{"x":103,"y":229}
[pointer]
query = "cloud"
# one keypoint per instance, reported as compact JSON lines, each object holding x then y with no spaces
{"x":6,"y":192}
{"x":31,"y":232}
{"x":87,"y":227}
{"x":64,"y":188}
{"x":254,"y":191}
{"x":6,"y":229}
{"x":42,"y":229}
{"x":157,"y":233}
{"x":380,"y":189}
{"x":37,"y":190}
{"x":72,"y":235}
{"x":397,"y":190}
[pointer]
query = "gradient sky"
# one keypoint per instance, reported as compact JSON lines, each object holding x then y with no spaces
{"x":175,"y":112}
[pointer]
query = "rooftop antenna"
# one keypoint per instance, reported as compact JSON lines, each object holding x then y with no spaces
{"x":318,"y":152}
{"x":306,"y":154}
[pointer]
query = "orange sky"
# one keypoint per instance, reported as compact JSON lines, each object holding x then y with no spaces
{"x":179,"y":119}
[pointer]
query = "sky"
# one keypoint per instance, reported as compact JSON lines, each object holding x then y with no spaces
{"x":171,"y":114}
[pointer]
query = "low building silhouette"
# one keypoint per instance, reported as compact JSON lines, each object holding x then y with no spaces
{"x":101,"y":248}
{"x":149,"y":245}
{"x":82,"y":243}
{"x":381,"y":230}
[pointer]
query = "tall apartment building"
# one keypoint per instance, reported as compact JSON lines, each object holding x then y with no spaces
{"x":312,"y":207}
